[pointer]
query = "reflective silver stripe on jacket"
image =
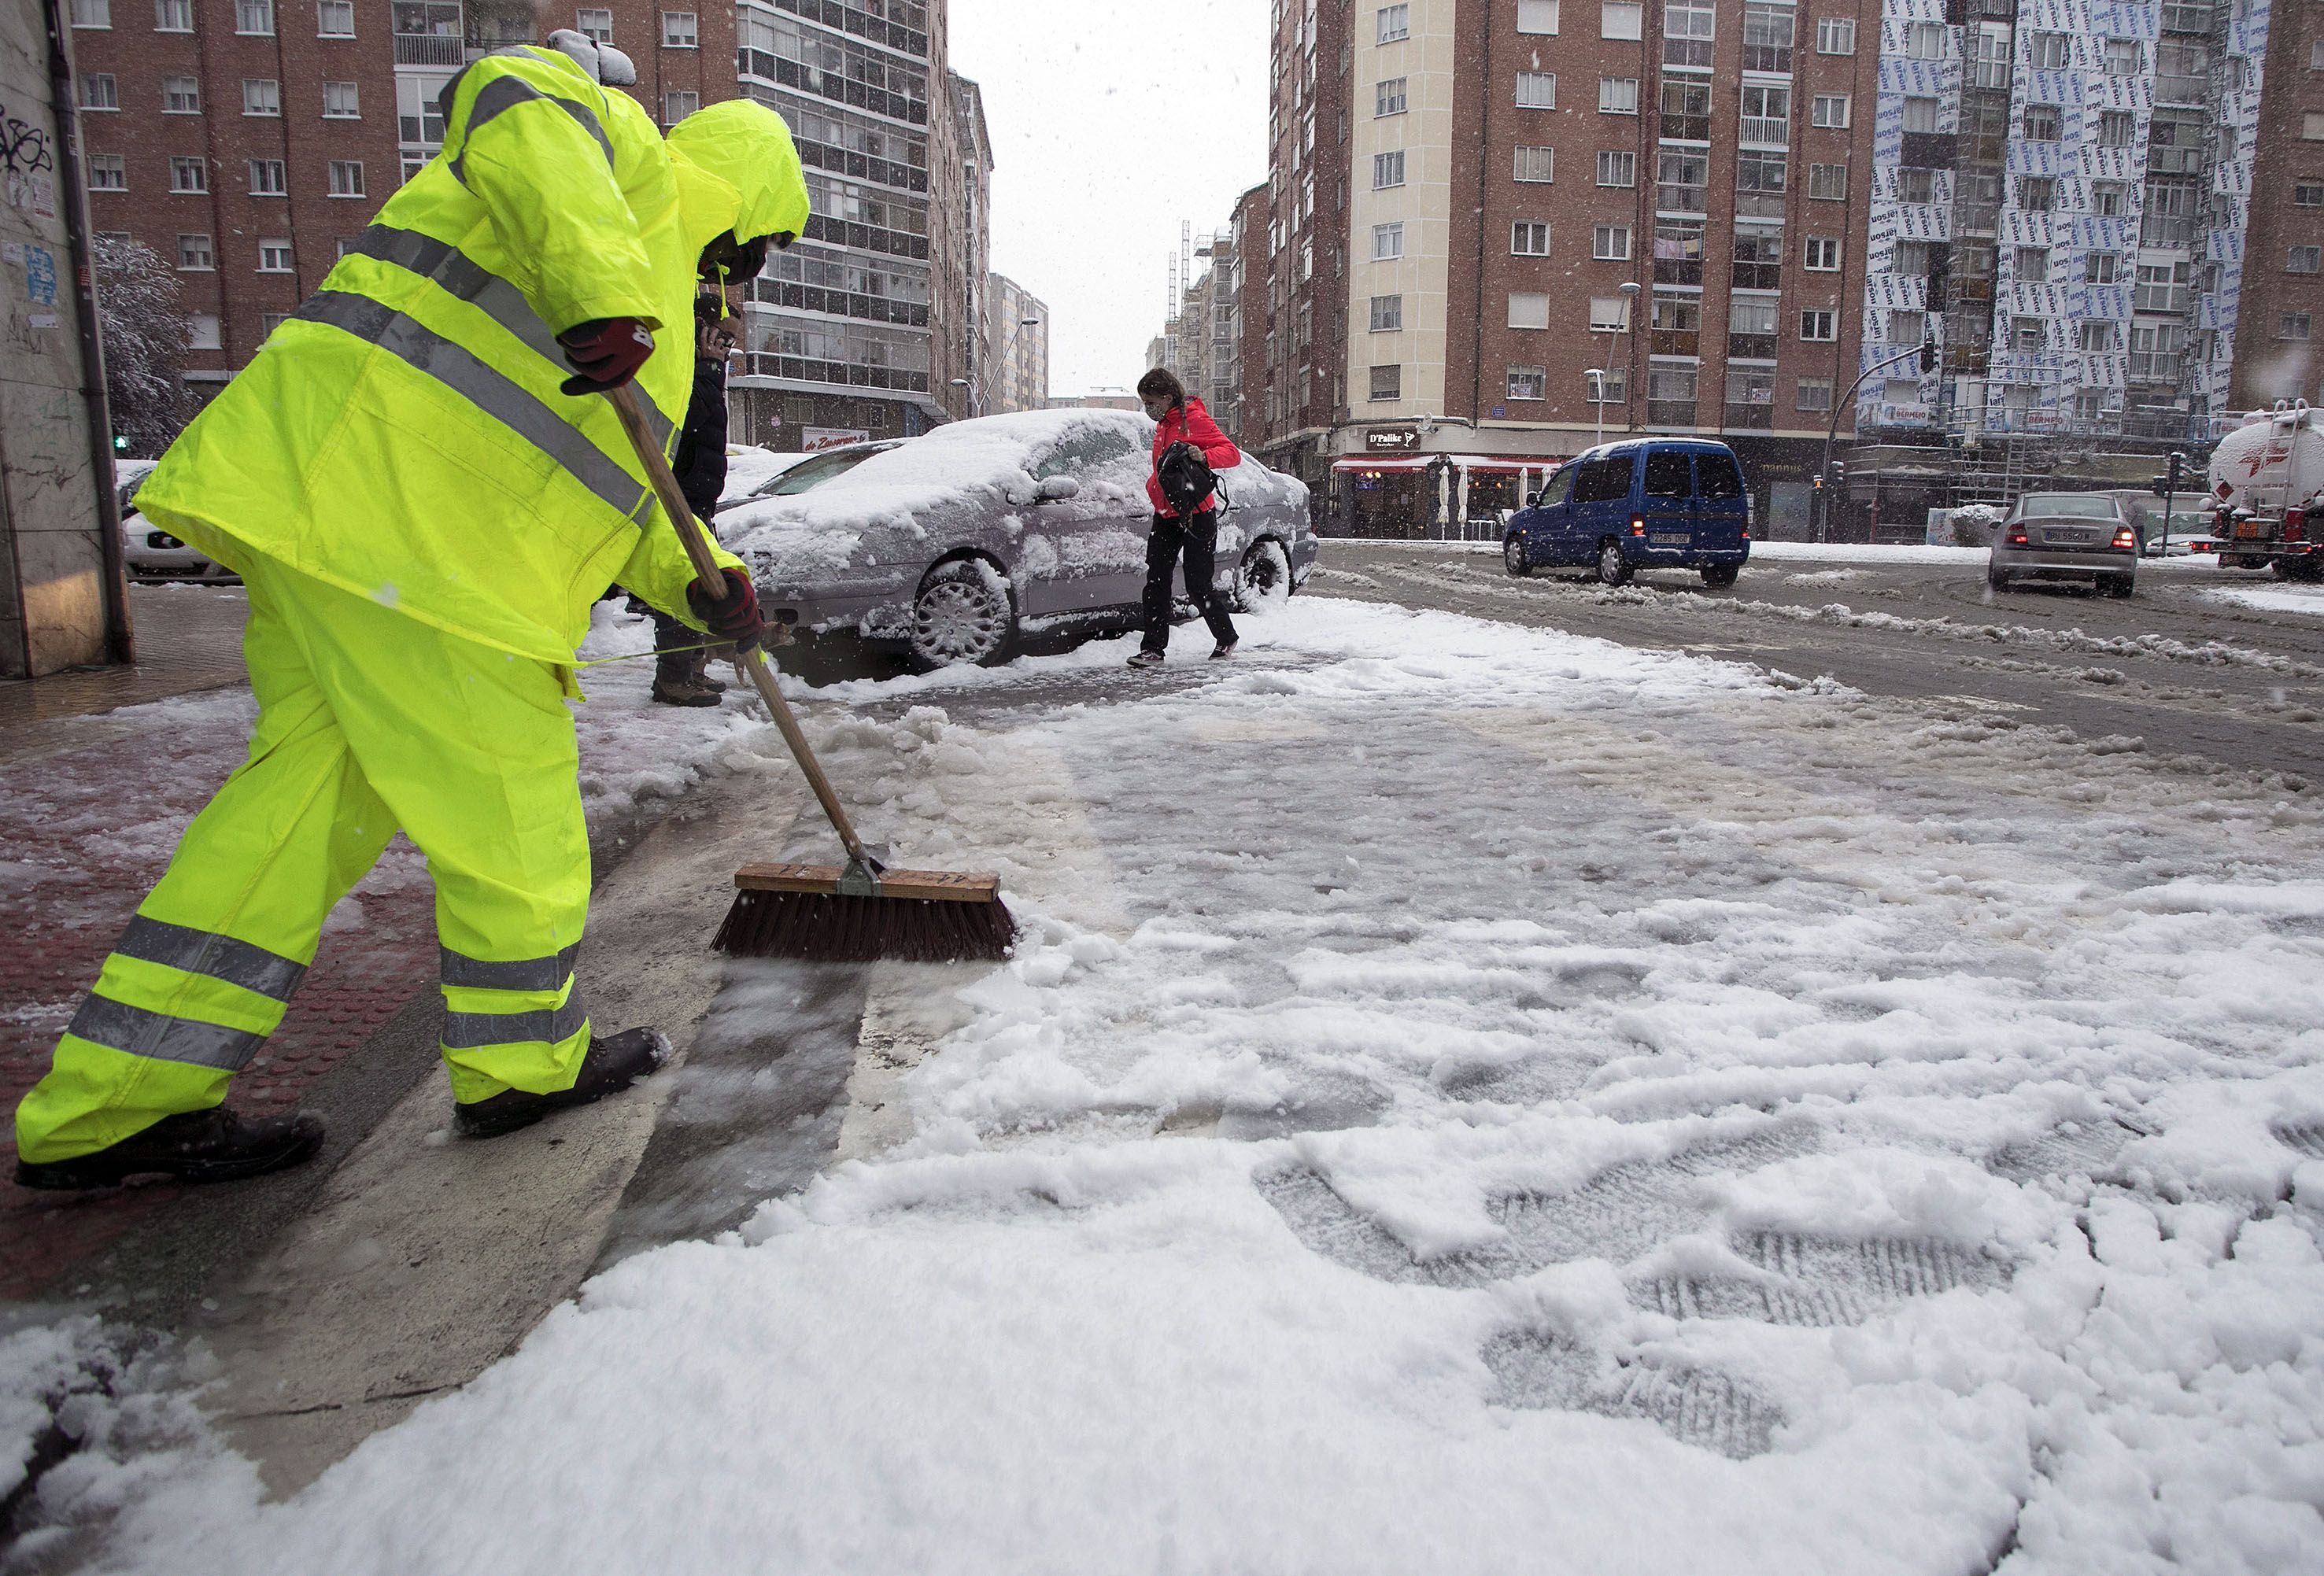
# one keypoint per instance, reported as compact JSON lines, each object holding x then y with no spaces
{"x":549,"y":974}
{"x":460,"y":275}
{"x":103,"y":1021}
{"x":214,"y":956}
{"x":460,"y":370}
{"x":465,"y":1031}
{"x":502,"y":94}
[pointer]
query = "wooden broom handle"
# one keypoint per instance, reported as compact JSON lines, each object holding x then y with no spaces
{"x":712,"y":580}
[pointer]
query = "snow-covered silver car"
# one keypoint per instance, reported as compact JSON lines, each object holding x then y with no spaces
{"x":2051,"y":536}
{"x":955,"y":545}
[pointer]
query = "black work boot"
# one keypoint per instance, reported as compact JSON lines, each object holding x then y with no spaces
{"x":610,"y":1066}
{"x":684,"y":692}
{"x":196,"y":1146}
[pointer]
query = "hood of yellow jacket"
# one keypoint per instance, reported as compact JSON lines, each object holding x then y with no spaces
{"x":746,"y":145}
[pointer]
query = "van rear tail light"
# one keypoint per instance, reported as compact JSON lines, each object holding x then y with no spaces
{"x":1637,"y":525}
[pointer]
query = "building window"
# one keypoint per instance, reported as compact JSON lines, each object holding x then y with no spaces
{"x":108,"y":172}
{"x":1920,"y":113}
{"x":1670,"y":385}
{"x":1537,"y":164}
{"x":1537,"y":16}
{"x":346,"y":178}
{"x":2124,"y":57}
{"x":1537,"y":90}
{"x":1387,"y":169}
{"x":1910,"y":259}
{"x":678,"y":103}
{"x":1768,"y":34}
{"x":1681,"y":181}
{"x":1617,"y":96}
{"x":1388,"y":242}
{"x":2301,"y":260}
{"x":1528,"y":309}
{"x":173,"y":15}
{"x":677,"y":29}
{"x":1610,"y":314}
{"x":255,"y":16}
{"x":202,"y":331}
{"x":2037,"y":193}
{"x":98,"y":91}
{"x":1827,"y":182}
{"x":2160,"y":287}
{"x":1388,"y":382}
{"x":1529,"y":238}
{"x":1830,"y":111}
{"x":1908,"y":327}
{"x":266,"y":178}
{"x":2307,"y":194}
{"x":2049,"y":51}
{"x":2096,"y":336}
{"x":1606,"y":385}
{"x":2116,"y":128}
{"x":596,"y":24}
{"x":1388,"y":98}
{"x":1762,"y":174}
{"x":1617,"y":169}
{"x":2292,"y":326}
{"x":92,"y":14}
{"x":1924,"y":41}
{"x":340,"y":101}
{"x":2042,"y":123}
{"x":2032,"y":264}
{"x":335,"y":19}
{"x":1687,"y":33}
{"x":1821,"y":254}
{"x":1916,"y":186}
{"x":181,"y":96}
{"x":1528,"y":383}
{"x":1819,"y":323}
{"x":2102,"y":268}
{"x":1610,"y":243}
{"x":189,"y":175}
{"x":194,"y":255}
{"x":1811,"y":394}
{"x":1393,"y":22}
{"x":262,"y":96}
{"x":1387,"y":314}
{"x":1836,"y":35}
{"x":2311,"y":127}
{"x":1750,"y":314}
{"x":2029,"y":336}
{"x":2108,"y":197}
{"x":274,"y":257}
{"x":1621,"y":19}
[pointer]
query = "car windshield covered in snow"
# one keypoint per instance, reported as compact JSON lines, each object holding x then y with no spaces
{"x":810,"y":474}
{"x":2084,"y":505}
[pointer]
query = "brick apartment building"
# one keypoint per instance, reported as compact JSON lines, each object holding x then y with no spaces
{"x":248,"y":140}
{"x":1491,"y":225}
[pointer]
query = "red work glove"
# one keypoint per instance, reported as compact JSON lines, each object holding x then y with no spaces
{"x":604,"y":353}
{"x":734,"y":617}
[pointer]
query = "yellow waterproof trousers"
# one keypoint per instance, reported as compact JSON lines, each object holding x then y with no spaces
{"x":368,"y":720}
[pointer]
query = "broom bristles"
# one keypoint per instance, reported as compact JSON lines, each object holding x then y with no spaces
{"x":825,"y":927}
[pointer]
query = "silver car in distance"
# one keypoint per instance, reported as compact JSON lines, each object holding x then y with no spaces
{"x":2054,"y":536}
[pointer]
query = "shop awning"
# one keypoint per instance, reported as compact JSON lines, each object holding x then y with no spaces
{"x":1473,"y":462}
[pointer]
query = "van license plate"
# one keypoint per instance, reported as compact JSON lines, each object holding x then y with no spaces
{"x":1668,"y":538}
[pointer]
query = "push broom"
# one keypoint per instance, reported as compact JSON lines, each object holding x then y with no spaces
{"x":859,"y":912}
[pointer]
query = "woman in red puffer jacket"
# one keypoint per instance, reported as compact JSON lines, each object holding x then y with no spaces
{"x":1194,"y":540}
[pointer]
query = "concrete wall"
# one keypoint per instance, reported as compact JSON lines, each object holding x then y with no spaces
{"x":53,"y":591}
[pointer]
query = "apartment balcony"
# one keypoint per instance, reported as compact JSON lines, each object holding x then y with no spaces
{"x":1759,"y":205}
{"x":1672,"y":198}
{"x":1767,"y":131}
{"x":1750,"y":417}
{"x":1775,"y":58}
{"x":1686,"y":128}
{"x":1670,"y":412}
{"x":1751,"y":347}
{"x":1678,"y":270}
{"x":430,"y":49}
{"x":1673,"y":342}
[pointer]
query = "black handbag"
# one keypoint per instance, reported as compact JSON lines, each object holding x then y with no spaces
{"x":1185,"y":475}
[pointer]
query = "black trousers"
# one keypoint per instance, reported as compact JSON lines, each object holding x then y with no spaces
{"x":1195,"y":542}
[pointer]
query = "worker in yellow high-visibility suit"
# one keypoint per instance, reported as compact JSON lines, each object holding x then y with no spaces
{"x":424,"y":492}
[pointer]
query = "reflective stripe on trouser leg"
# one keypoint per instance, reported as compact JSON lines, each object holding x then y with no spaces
{"x":200,"y":976}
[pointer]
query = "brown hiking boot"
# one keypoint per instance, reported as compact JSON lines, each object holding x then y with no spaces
{"x":197,"y":1146}
{"x":685,"y":692}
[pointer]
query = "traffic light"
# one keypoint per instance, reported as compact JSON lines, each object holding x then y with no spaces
{"x":1929,"y":354}
{"x":2176,"y":480}
{"x":120,"y":443}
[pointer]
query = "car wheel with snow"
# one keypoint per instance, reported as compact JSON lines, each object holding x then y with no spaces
{"x":1513,"y":557}
{"x":1997,"y":578}
{"x":963,"y":613}
{"x":1262,"y":581}
{"x":1613,"y":569}
{"x":1719,"y":577}
{"x":2116,"y":585}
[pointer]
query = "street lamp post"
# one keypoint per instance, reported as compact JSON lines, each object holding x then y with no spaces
{"x":1927,"y":350}
{"x":1597,"y":375}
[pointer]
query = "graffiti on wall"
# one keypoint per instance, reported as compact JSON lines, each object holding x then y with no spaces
{"x":28,"y":159}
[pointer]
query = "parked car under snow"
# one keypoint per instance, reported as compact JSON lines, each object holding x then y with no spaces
{"x":957,"y":544}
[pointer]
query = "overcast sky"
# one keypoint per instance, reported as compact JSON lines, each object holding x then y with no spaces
{"x":1111,"y":122}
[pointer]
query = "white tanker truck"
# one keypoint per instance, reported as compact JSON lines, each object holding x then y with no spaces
{"x":2267,"y":485}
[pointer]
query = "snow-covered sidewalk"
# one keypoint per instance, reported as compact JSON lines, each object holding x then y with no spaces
{"x":1470,"y":1098}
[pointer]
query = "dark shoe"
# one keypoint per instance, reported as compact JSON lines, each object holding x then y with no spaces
{"x":685,"y":692}
{"x":196,"y":1146}
{"x":715,"y":685}
{"x":1226,"y":649}
{"x":1145,"y":660}
{"x":610,"y":1066}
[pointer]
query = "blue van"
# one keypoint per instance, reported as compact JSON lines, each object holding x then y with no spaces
{"x":1648,"y":503}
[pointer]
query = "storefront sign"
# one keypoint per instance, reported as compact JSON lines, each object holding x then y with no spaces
{"x":1391,"y":440}
{"x":819,"y":438}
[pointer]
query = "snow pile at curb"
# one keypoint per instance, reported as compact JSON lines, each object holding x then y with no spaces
{"x":1466,"y":1092}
